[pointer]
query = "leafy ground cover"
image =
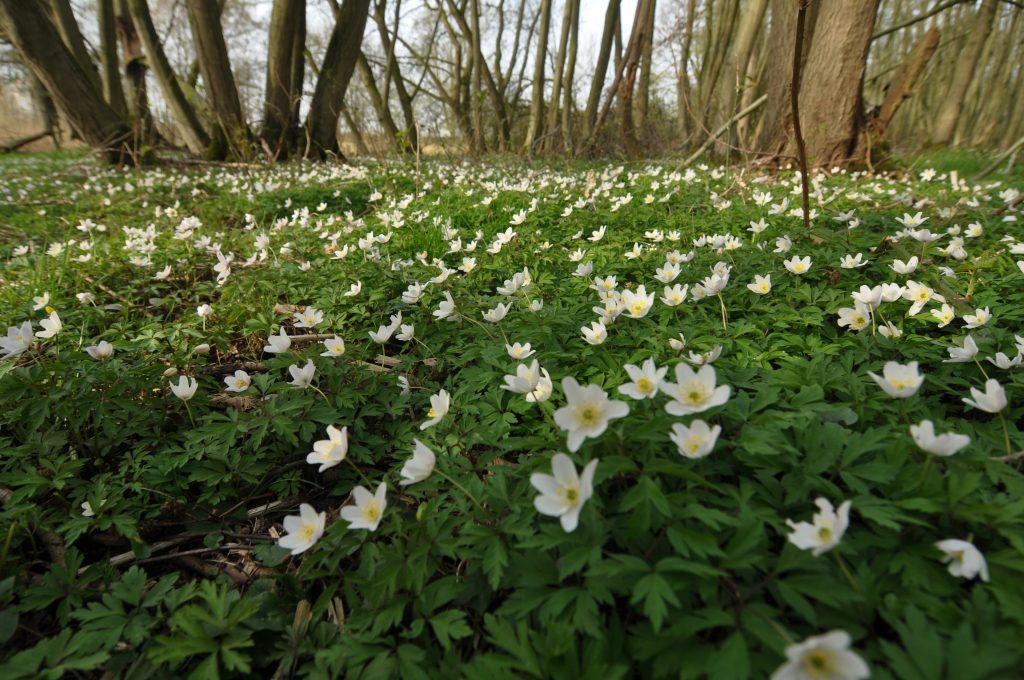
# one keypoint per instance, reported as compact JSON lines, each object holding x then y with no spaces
{"x":493,"y":421}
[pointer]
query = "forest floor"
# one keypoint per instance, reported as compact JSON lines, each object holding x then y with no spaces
{"x":301,"y":419}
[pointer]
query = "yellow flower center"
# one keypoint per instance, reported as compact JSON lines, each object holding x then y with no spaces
{"x":432,"y":413}
{"x":696,"y":393}
{"x":307,"y":531}
{"x":588,"y":415}
{"x":371,"y":511}
{"x":638,"y":306}
{"x":763,"y":287}
{"x":899,"y":383}
{"x":819,"y":664}
{"x":693,"y":445}
{"x":645,"y":385}
{"x":825,"y":534}
{"x":572,"y":494}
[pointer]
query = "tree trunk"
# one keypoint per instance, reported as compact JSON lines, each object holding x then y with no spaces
{"x":904,"y":83}
{"x":44,"y":107}
{"x":643,"y":100}
{"x":187,"y":123}
{"x":380,"y":106}
{"x":137,"y":99}
{"x":570,"y":73}
{"x":627,"y":78}
{"x":221,"y":91}
{"x":329,"y":95}
{"x":113,"y":93}
{"x":286,"y":30}
{"x":611,"y":18}
{"x":533,"y":128}
{"x":558,"y":73}
{"x":949,"y":110}
{"x":734,"y":74}
{"x":683,"y":113}
{"x":34,"y":37}
{"x":67,"y":27}
{"x":832,"y":82}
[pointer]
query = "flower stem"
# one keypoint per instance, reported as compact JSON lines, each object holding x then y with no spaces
{"x":725,"y":324}
{"x":1006,"y":434}
{"x":846,"y":570}
{"x":461,"y":488}
{"x":362,"y":475}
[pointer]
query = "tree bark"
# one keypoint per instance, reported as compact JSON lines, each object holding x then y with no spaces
{"x":67,"y":27}
{"x":643,"y":100}
{"x":380,"y":106}
{"x":903,"y":84}
{"x":570,"y":74}
{"x":287,"y":24}
{"x":187,"y":123}
{"x":683,"y":113}
{"x":405,"y":101}
{"x":30,"y":31}
{"x":113,"y":93}
{"x":335,"y":74}
{"x":734,"y":74}
{"x":949,"y":109}
{"x":219,"y":81}
{"x":611,"y":18}
{"x":533,"y":128}
{"x":137,"y":96}
{"x":558,"y":73}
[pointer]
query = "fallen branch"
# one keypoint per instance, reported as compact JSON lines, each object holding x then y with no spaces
{"x":18,"y":143}
{"x":720,"y":131}
{"x":999,"y":161}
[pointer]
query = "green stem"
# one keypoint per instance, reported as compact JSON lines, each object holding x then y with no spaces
{"x":1006,"y":434}
{"x":362,"y":475}
{"x":461,"y":488}
{"x":846,"y":570}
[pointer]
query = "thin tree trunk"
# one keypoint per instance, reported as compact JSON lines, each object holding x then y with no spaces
{"x":380,"y":106}
{"x":335,"y":74}
{"x":611,"y":18}
{"x":286,"y":26}
{"x":949,"y":110}
{"x":568,"y":98}
{"x":734,"y":73}
{"x":187,"y":123}
{"x":137,"y":99}
{"x":558,"y":73}
{"x":219,"y":81}
{"x":34,"y":37}
{"x":113,"y":93}
{"x":683,"y":77}
{"x":643,"y":100}
{"x":533,"y":128}
{"x":904,"y":83}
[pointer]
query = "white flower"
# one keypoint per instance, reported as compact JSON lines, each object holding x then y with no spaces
{"x":899,"y":380}
{"x":85,"y":298}
{"x":694,"y":392}
{"x":668,"y":273}
{"x":940,"y":445}
{"x":798,"y":265}
{"x":823,"y":657}
{"x":992,"y":400}
{"x":419,"y":467}
{"x":826,"y":531}
{"x":308,"y":318}
{"x":870,"y":297}
{"x":446,"y":308}
{"x":525,"y":379}
{"x":303,"y":529}
{"x":645,"y":380}
{"x":239,"y":382}
{"x":17,"y":341}
{"x":100,"y":351}
{"x":959,"y":355}
{"x":979,"y":318}
{"x":908,"y":267}
{"x":368,"y":510}
{"x":920,"y":295}
{"x":1000,"y":360}
{"x":587,"y":412}
{"x":783,"y":244}
{"x":563,"y":494}
{"x":335,"y":347}
{"x":204,"y":311}
{"x":497,"y":314}
{"x":87,"y":510}
{"x":163,"y":274}
{"x":382,"y":334}
{"x":518,"y":351}
{"x":51,"y":326}
{"x":413,"y":293}
{"x":302,"y":377}
{"x":638,"y":303}
{"x":853,"y":261}
{"x":278,"y":343}
{"x":911,"y":221}
{"x":701,"y":358}
{"x":536,"y":305}
{"x":762,"y":285}
{"x":185,"y":389}
{"x":695,"y":441}
{"x":439,"y":405}
{"x":596,"y":333}
{"x":354,"y":289}
{"x":40,"y":302}
{"x":403,"y":384}
{"x":542,"y":391}
{"x":963,"y":558}
{"x":892,"y":292}
{"x":944,"y":315}
{"x":331,"y":451}
{"x":674,"y":295}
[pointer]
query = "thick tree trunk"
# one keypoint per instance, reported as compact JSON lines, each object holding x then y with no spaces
{"x":949,"y":110}
{"x":832,"y":82}
{"x":627,"y":78}
{"x":113,"y":93}
{"x":187,"y":123}
{"x":335,"y":74}
{"x":67,"y":27}
{"x":43,"y":104}
{"x":137,"y":99}
{"x":611,"y":18}
{"x":30,"y":31}
{"x":533,"y":128}
{"x":219,"y":82}
{"x":287,"y":24}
